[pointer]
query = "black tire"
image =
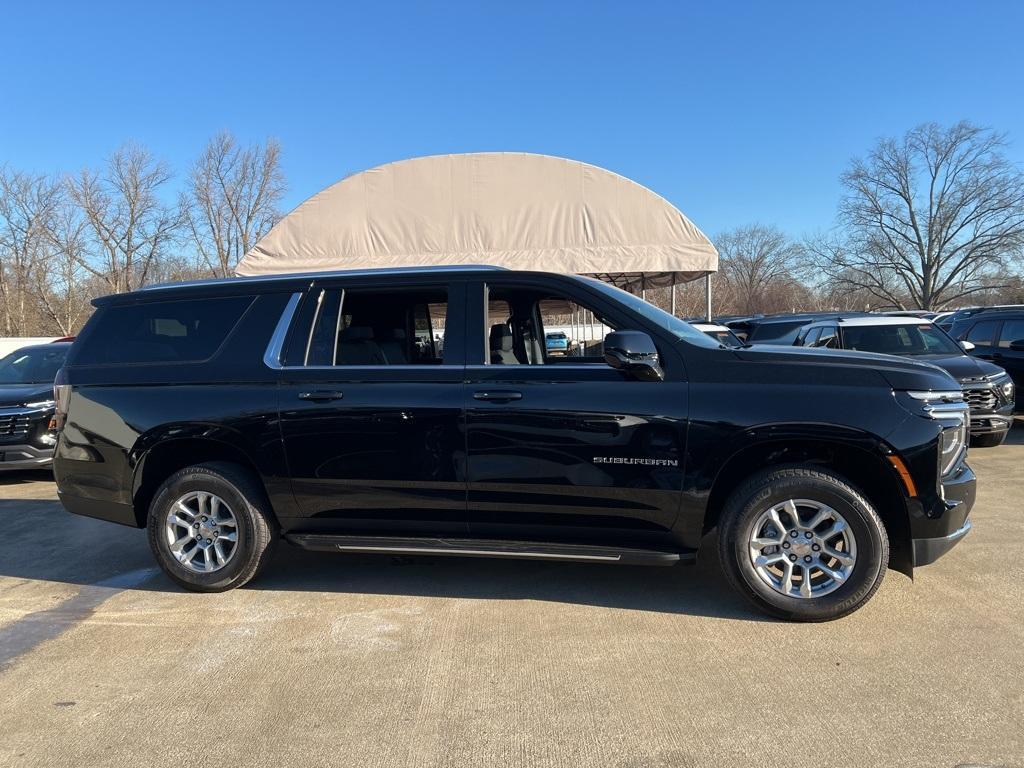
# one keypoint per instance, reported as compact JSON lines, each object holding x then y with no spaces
{"x":765,"y":489}
{"x":990,"y":440}
{"x":257,"y":530}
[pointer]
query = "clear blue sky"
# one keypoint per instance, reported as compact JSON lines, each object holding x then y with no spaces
{"x":735,"y":112}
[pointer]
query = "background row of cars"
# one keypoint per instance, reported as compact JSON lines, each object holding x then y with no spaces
{"x":981,"y":347}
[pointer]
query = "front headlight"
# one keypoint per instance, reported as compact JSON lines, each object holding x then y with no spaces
{"x":1004,"y":384}
{"x":952,"y":442}
{"x":950,"y":410}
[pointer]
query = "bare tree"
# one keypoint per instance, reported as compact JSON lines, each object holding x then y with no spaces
{"x":927,"y":219}
{"x":128,"y":226}
{"x":27,"y":206}
{"x":62,"y":287}
{"x":759,"y":267}
{"x":233,"y":192}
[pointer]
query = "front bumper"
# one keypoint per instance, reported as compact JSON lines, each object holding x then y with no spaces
{"x":991,"y":422}
{"x":936,"y":533}
{"x":25,"y":457}
{"x":927,"y":551}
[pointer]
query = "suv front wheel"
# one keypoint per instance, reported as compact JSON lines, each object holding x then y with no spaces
{"x":210,"y":527}
{"x":802,"y":544}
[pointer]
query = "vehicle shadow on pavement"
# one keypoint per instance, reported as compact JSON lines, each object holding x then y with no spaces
{"x":83,"y":551}
{"x":24,"y":476}
{"x":43,"y":542}
{"x":698,"y":590}
{"x":79,"y":550}
{"x":1016,"y":435}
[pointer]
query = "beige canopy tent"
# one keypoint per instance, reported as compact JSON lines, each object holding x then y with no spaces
{"x":506,"y":209}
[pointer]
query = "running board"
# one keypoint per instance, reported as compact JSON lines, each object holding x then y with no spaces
{"x":524,"y":550}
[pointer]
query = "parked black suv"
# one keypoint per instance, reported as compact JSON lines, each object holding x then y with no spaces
{"x":27,"y":434}
{"x":988,"y":389}
{"x":997,"y":336}
{"x":225,"y":415}
{"x":777,"y":329}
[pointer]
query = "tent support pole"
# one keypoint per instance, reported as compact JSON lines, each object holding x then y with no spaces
{"x":707,"y":297}
{"x":673,"y":289}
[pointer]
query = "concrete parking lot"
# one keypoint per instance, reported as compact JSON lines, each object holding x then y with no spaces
{"x":332,"y":660}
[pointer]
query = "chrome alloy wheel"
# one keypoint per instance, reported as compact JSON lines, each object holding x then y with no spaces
{"x":202,"y":532}
{"x":802,"y":548}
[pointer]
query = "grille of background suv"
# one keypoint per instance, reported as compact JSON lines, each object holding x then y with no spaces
{"x":14,"y":425}
{"x":980,"y":398}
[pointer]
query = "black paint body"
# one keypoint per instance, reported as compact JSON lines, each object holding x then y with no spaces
{"x":586,"y":454}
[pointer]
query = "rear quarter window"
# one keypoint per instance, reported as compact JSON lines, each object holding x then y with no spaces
{"x":186,"y":331}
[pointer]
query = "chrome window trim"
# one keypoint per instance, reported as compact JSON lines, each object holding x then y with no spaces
{"x":402,"y":367}
{"x":543,"y":367}
{"x":272,"y":357}
{"x":337,"y":329}
{"x":312,"y":326}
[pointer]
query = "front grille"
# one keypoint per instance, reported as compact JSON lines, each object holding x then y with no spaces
{"x":980,"y":399}
{"x":15,"y":425}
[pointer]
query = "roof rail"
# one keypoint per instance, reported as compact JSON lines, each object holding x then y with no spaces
{"x":323,"y":274}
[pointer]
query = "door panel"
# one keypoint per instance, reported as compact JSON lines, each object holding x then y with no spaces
{"x":582,"y":453}
{"x":574,"y":450}
{"x":385,"y":453}
{"x":372,"y":410}
{"x":1011,"y":359}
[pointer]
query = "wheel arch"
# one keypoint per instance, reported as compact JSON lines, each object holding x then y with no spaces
{"x":866,"y":469}
{"x":165,"y":457}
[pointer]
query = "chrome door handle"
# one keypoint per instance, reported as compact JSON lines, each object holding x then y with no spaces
{"x":319,"y":396}
{"x":497,"y":395}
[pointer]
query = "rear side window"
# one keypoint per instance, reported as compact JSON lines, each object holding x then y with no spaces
{"x":1013,"y":330}
{"x":811,"y":339}
{"x":161,"y":331}
{"x":775,"y":333}
{"x":371,"y":327}
{"x":827,"y":338}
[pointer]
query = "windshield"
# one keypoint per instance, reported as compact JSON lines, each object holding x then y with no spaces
{"x":32,"y":365}
{"x":678,"y":328}
{"x":924,"y":339}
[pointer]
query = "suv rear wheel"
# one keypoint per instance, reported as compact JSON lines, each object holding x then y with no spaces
{"x":210,"y":527}
{"x":802,"y":544}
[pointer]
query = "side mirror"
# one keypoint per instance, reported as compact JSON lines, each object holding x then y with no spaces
{"x":633,"y":352}
{"x":967,"y":345}
{"x":1017,"y":346}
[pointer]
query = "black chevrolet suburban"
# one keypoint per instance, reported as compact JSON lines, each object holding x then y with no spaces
{"x":322,"y":409}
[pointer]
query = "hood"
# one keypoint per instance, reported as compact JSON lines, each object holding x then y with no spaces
{"x":901,"y":373}
{"x":964,"y":368}
{"x":19,"y":394}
